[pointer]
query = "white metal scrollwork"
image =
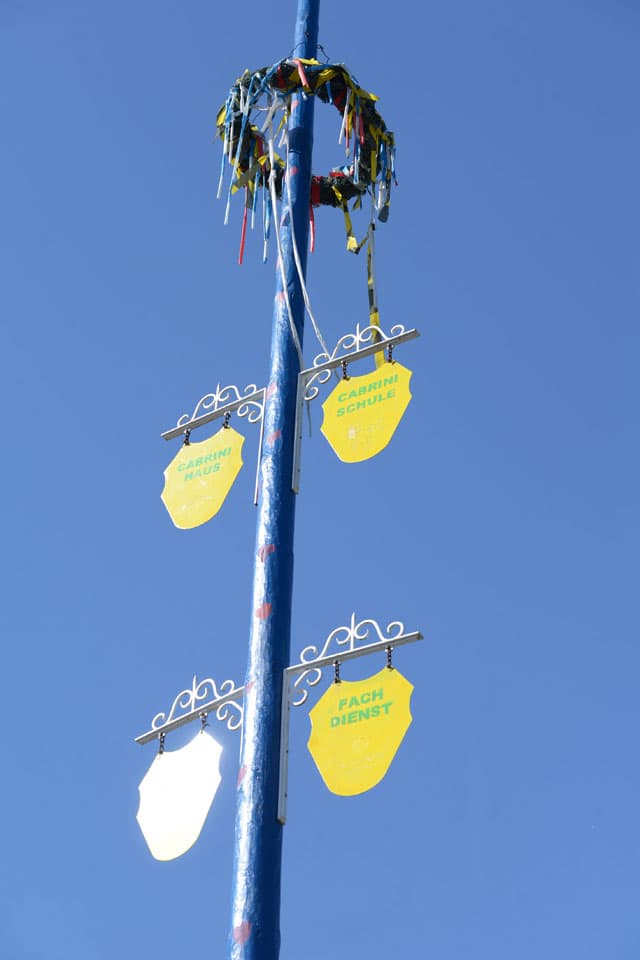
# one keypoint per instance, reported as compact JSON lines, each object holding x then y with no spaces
{"x":342,"y":640}
{"x":205,"y":696}
{"x":250,"y":404}
{"x":346,"y":346}
{"x":188,"y":701}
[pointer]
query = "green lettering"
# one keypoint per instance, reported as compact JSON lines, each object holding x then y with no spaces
{"x":352,"y":717}
{"x":354,"y":702}
{"x":385,"y":706}
{"x":335,"y":721}
{"x":364,"y":714}
{"x":377,"y":694}
{"x":365,"y":698}
{"x":342,"y":703}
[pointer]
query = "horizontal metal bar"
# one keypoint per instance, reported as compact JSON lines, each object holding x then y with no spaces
{"x":360,"y":354}
{"x":211,"y":415}
{"x":192,"y":715}
{"x":353,"y":654}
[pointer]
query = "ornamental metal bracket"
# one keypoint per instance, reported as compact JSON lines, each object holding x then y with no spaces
{"x":351,"y":347}
{"x":222,"y":403}
{"x":225,"y":700}
{"x":342,"y":644}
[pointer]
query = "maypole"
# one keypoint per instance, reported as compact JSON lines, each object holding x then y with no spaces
{"x":355,"y":734}
{"x":255,"y":931}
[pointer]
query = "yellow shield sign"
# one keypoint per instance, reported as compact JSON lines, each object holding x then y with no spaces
{"x":361,"y":414}
{"x":199,"y":477}
{"x":357,"y":728}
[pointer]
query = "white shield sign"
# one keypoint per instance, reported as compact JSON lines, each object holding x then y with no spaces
{"x":176,"y":795}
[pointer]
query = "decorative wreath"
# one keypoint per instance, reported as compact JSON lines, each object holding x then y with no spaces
{"x":369,"y":145}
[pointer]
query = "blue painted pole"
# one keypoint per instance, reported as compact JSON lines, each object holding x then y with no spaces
{"x":255,"y":933}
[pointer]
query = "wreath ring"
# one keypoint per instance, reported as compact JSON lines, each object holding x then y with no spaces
{"x":369,"y":144}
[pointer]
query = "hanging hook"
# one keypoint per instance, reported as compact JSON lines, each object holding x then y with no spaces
{"x":203,"y":718}
{"x":390,"y":354}
{"x":336,"y":671}
{"x":187,"y":438}
{"x":225,"y":422}
{"x":389,"y":663}
{"x":161,"y":746}
{"x":345,"y":375}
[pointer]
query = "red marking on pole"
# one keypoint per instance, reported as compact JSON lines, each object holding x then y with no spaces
{"x":271,"y":389}
{"x":242,"y":772}
{"x":293,"y":171}
{"x":264,"y":552}
{"x":264,"y":611}
{"x":249,"y":686}
{"x":280,"y":296}
{"x":242,"y":933}
{"x":273,"y":436}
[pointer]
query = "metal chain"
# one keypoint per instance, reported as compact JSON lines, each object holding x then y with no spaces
{"x":187,"y":437}
{"x":161,"y":747}
{"x":389,"y":663}
{"x":225,"y":422}
{"x":345,"y":375}
{"x":336,"y":671}
{"x":390,"y":354}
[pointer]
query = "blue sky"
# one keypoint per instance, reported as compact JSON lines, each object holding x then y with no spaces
{"x":502,"y":521}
